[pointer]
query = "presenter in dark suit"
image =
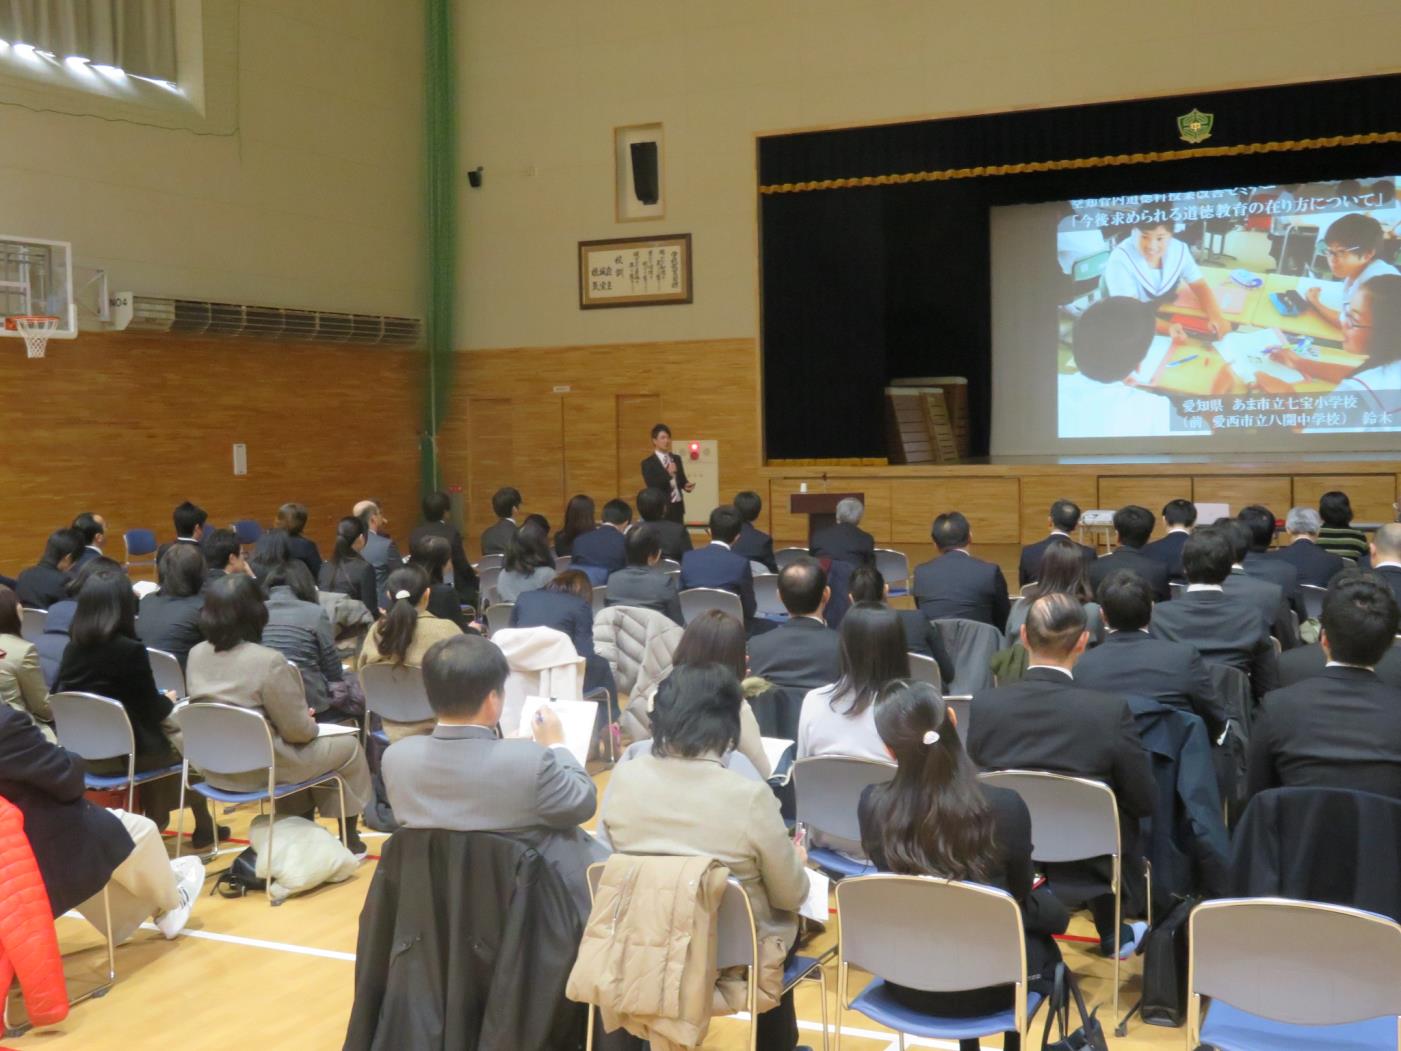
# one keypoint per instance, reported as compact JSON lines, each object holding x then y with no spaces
{"x":642,"y":582}
{"x":1064,"y":518}
{"x":1342,"y":728}
{"x":845,"y":540}
{"x":674,"y":537}
{"x":1314,"y":565}
{"x":663,"y":470}
{"x":717,"y":566}
{"x":754,"y":544}
{"x":922,"y":637}
{"x":1261,"y":565}
{"x":505,"y":502}
{"x":1386,"y":557}
{"x":1179,"y":516}
{"x":604,"y":548}
{"x":1048,"y":721}
{"x":1130,"y":661}
{"x":957,"y":585}
{"x":1134,"y":525}
{"x":802,"y":652}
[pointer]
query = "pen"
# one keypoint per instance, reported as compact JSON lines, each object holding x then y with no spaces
{"x":1183,"y":361}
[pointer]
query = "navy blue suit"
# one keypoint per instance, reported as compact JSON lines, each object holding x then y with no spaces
{"x":958,"y":585}
{"x":716,"y":566}
{"x":1029,"y":565}
{"x":571,"y":615}
{"x":755,"y":545}
{"x":1315,"y":565}
{"x":1168,"y":551}
{"x":604,"y":547}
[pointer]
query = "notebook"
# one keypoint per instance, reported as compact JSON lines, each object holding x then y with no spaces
{"x":578,"y":718}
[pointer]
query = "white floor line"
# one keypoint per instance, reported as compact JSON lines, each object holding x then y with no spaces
{"x":868,"y":1034}
{"x":259,"y":943}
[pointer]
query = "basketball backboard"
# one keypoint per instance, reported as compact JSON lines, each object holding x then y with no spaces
{"x":36,"y":277}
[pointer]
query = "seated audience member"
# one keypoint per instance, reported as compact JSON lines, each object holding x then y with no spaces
{"x":578,"y":520}
{"x":272,"y":550}
{"x":54,"y":641}
{"x":1260,"y":521}
{"x":300,"y":629}
{"x":922,"y":637}
{"x":845,"y":540}
{"x":42,"y":585}
{"x":1134,"y":525}
{"x":190,"y":520}
{"x":802,"y":652}
{"x":169,"y":618}
{"x":957,"y":585}
{"x":1179,"y":516}
{"x":232,"y":667}
{"x":528,"y":564}
{"x":1341,"y":728}
{"x":223,"y":556}
{"x":1372,"y":327}
{"x":1313,"y":564}
{"x":403,"y":635}
{"x":93,"y":529}
{"x":1062,"y":571}
{"x":840,"y":718}
{"x":432,"y":553}
{"x":1131,"y":661}
{"x":1264,"y":595}
{"x":1308,"y":662}
{"x":1048,"y":721}
{"x":603,"y":548}
{"x":291,"y":518}
{"x":674,"y":537}
{"x":379,"y":551}
{"x":1064,"y":517}
{"x":1386,"y":556}
{"x":753,"y":543}
{"x":643,"y":582}
{"x":717,"y":566}
{"x":1336,"y":535}
{"x":81,"y":848}
{"x":936,"y":819}
{"x":1222,"y":628}
{"x":437,"y":515}
{"x":539,"y":522}
{"x":463,"y":777}
{"x":566,"y":604}
{"x":105,"y":657}
{"x":505,"y":503}
{"x":346,"y":572}
{"x":22,"y":685}
{"x":651,"y":808}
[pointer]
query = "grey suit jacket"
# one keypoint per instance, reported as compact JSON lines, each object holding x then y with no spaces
{"x":645,"y":587}
{"x":381,"y":553}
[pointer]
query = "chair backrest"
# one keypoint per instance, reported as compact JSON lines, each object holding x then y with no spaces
{"x":498,"y":616}
{"x":563,"y":562}
{"x":488,"y":577}
{"x":396,"y":693}
{"x":766,"y":600}
{"x":248,"y":531}
{"x":925,"y":669}
{"x":140,"y":543}
{"x":695,"y":601}
{"x":829,"y":787}
{"x":671,"y":566}
{"x":894,"y":566}
{"x":600,"y":597}
{"x":1026,"y":589}
{"x":168,"y":674}
{"x":971,"y":644}
{"x":786,"y":556}
{"x":980,"y":941}
{"x":1313,"y":597}
{"x":1072,"y":818}
{"x":224,"y":738}
{"x":1300,"y":962}
{"x":1177,"y":588}
{"x":95,"y":727}
{"x":962,"y":705}
{"x":490,"y":562}
{"x":31,"y":623}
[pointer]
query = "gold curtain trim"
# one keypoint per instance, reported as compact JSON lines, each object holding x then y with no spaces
{"x":1289,"y":145}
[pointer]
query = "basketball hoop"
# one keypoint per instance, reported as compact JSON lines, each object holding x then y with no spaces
{"x":36,"y":330}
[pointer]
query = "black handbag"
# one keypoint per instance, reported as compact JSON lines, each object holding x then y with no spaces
{"x":241,"y":876}
{"x":1089,"y":1036}
{"x":1165,"y":967}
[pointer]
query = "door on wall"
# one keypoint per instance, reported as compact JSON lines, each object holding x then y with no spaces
{"x":590,"y":467}
{"x":636,"y":415}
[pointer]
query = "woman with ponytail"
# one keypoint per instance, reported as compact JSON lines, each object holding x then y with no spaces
{"x":403,"y":635}
{"x":936,"y":819}
{"x":346,"y":572}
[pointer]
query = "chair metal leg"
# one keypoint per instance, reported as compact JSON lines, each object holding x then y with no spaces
{"x":130,"y":782}
{"x":8,"y":1030}
{"x":272,"y":820}
{"x":588,"y":1036}
{"x":822,"y":992}
{"x":180,"y":814}
{"x":1118,"y":931}
{"x":841,"y":1001}
{"x":340,"y":794}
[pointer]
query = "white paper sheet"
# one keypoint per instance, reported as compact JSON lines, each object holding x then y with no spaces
{"x":332,"y":729}
{"x":774,"y":747}
{"x":578,"y":718}
{"x":815,"y":906}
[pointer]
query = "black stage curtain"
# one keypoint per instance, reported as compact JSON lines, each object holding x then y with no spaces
{"x":863,"y":284}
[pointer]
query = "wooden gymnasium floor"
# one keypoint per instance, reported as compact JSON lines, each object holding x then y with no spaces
{"x":248,"y":975}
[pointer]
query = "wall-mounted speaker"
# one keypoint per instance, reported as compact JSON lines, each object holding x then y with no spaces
{"x":646,"y":184}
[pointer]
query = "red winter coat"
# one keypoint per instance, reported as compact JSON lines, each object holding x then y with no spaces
{"x":28,"y":942}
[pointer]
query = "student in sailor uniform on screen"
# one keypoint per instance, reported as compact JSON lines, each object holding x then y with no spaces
{"x":1372,"y":326}
{"x":1149,"y":264}
{"x":1100,"y":399}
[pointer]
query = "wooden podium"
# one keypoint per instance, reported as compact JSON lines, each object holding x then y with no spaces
{"x":821,"y":508}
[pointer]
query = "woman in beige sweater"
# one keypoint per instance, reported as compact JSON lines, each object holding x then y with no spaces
{"x":22,"y":684}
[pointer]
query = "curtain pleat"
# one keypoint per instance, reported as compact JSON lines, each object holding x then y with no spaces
{"x":137,"y":36}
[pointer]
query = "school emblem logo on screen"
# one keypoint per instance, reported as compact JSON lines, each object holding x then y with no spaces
{"x":1195,"y":126}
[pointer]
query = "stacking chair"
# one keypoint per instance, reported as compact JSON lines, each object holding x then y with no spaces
{"x":828,"y":790}
{"x":1026,"y":589}
{"x":695,"y":601}
{"x":167,"y":671}
{"x":600,"y":597}
{"x":925,"y":669}
{"x":487,"y":578}
{"x":397,"y":692}
{"x":737,"y":945}
{"x":894,"y":566}
{"x":1313,"y":596}
{"x":786,"y":556}
{"x":767,"y":604}
{"x":31,"y":623}
{"x":1074,"y":819}
{"x":98,"y":728}
{"x":980,"y":942}
{"x":1290,"y":975}
{"x":140,"y":549}
{"x":498,"y":616}
{"x":490,"y":562}
{"x":563,"y":562}
{"x":962,"y":705}
{"x":671,"y":566}
{"x":226,"y":739}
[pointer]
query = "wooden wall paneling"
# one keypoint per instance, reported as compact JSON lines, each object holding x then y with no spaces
{"x":1272,"y":491}
{"x":1371,"y":495}
{"x":879,"y":509}
{"x":590,"y":456}
{"x":635,"y":415}
{"x":485,"y":465}
{"x":1039,"y":492}
{"x":1150,"y":491}
{"x":990,"y":505}
{"x":537,"y":442}
{"x":788,"y":529}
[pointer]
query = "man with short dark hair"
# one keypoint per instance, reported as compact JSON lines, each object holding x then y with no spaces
{"x":1386,"y":556}
{"x":505,"y":502}
{"x":1260,"y":522}
{"x":642,"y":582}
{"x":1307,"y":662}
{"x":464,"y":778}
{"x":45,"y":583}
{"x":437,"y":521}
{"x":223,"y":555}
{"x":1063,"y":519}
{"x":1131,"y":661}
{"x":1134,"y":525}
{"x":1179,"y":516}
{"x":93,"y":528}
{"x":1314,"y":565}
{"x":1341,"y":728}
{"x":604,"y":548}
{"x":663,"y":470}
{"x":802,"y":652}
{"x":957,"y":585}
{"x":753,"y":543}
{"x":845,"y":540}
{"x":1268,"y":598}
{"x":674,"y":537}
{"x":189,"y":519}
{"x":1221,"y":627}
{"x":1049,"y":721}
{"x":717,"y":566}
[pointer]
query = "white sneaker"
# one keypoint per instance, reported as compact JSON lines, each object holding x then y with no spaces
{"x":1139,"y":929}
{"x":189,"y":879}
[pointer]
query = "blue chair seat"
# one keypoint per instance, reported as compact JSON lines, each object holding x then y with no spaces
{"x":897,"y":592}
{"x":834,"y":863}
{"x":223,"y":795}
{"x":1232,"y":1029}
{"x":777,"y":618}
{"x":98,"y":781}
{"x":877,"y":1004}
{"x":798,"y":969}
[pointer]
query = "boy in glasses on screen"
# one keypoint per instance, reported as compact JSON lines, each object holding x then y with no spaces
{"x":1351,"y":246}
{"x":1101,"y":399}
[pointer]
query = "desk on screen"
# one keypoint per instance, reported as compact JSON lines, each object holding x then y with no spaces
{"x":1238,"y":303}
{"x":1309,"y":323}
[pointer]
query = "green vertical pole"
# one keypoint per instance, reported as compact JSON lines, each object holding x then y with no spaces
{"x":440,"y":167}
